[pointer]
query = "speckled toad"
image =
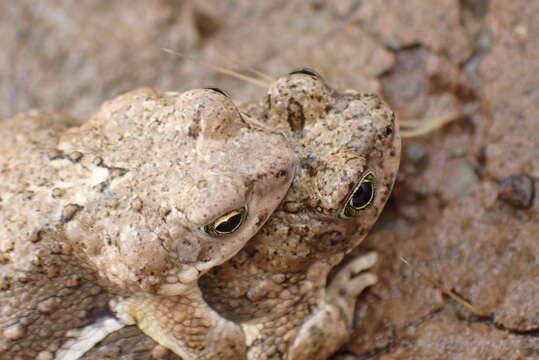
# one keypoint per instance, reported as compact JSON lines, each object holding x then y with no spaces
{"x":130,"y":209}
{"x":276,"y":287}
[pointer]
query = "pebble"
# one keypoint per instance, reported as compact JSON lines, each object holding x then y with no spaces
{"x":517,"y":190}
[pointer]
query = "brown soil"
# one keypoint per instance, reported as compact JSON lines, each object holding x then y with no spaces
{"x":463,"y":210}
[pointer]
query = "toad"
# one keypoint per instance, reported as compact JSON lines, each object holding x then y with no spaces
{"x":126,"y":212}
{"x":277,"y":286}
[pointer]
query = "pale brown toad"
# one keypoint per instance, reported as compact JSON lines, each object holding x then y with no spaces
{"x":130,"y":209}
{"x":276,"y":287}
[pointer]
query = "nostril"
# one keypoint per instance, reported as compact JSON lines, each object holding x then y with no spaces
{"x":331,"y":240}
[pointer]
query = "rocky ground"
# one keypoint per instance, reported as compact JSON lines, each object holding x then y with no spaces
{"x":463,"y":211}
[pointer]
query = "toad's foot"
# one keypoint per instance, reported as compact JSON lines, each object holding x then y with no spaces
{"x":350,"y":282}
{"x":87,"y":337}
{"x":184,"y":324}
{"x":330,"y":325}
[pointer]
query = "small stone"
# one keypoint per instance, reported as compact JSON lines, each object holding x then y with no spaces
{"x":517,"y":190}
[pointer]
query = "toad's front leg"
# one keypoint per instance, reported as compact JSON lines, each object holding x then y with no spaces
{"x":184,"y":324}
{"x":312,"y":329}
{"x":329,"y":327}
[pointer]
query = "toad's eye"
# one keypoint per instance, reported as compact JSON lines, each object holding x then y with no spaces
{"x":361,"y":196}
{"x":306,"y":71}
{"x":227,"y":223}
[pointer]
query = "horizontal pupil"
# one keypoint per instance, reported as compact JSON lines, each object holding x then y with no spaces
{"x":229,"y":225}
{"x":362,"y":195}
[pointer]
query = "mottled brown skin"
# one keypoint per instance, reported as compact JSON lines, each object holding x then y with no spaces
{"x":276,"y":286}
{"x":112,"y":213}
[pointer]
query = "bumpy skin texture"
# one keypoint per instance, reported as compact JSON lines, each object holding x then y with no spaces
{"x":113,"y":213}
{"x":276,"y":286}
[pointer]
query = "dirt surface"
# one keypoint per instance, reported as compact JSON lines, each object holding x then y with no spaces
{"x":456,"y":212}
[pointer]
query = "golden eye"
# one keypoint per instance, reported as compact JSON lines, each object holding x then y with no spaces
{"x":361,"y":196}
{"x":228,"y":223}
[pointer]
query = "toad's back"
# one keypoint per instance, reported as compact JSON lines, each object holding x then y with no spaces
{"x":34,"y":317}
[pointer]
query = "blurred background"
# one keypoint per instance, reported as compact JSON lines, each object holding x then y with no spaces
{"x":458,"y":212}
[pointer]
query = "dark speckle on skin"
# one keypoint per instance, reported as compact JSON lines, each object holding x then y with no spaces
{"x":116,"y":171}
{"x":69,"y":212}
{"x":296,"y":118}
{"x":55,"y":155}
{"x":281,"y":173}
{"x":194,"y":130}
